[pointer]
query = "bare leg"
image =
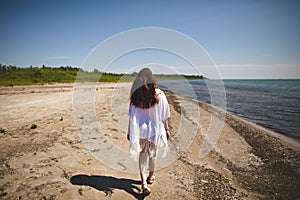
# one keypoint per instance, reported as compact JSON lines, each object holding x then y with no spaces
{"x":152,"y":162}
{"x":142,"y":166}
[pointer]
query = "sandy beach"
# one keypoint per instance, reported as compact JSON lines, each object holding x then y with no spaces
{"x":50,"y":161}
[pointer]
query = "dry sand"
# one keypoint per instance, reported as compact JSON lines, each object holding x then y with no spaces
{"x":51,"y":162}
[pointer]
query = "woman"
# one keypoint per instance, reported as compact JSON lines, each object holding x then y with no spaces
{"x":148,"y":126}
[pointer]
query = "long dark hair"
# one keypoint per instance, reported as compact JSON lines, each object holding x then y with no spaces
{"x":143,"y":93}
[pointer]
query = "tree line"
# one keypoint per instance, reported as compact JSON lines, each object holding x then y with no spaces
{"x":11,"y":75}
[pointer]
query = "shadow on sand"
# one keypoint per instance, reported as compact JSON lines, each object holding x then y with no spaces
{"x":107,"y":184}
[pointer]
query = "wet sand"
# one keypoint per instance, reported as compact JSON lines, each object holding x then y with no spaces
{"x":51,"y":162}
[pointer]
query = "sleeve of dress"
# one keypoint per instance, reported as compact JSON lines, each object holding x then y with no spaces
{"x":164,"y":106}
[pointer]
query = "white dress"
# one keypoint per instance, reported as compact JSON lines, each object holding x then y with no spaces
{"x":148,"y":124}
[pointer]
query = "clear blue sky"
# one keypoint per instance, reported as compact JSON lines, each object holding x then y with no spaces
{"x":246,"y":39}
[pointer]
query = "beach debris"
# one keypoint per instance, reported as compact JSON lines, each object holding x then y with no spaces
{"x":2,"y":130}
{"x":87,"y":162}
{"x":65,"y":175}
{"x":204,"y":181}
{"x":61,"y":118}
{"x":80,"y":191}
{"x":33,"y":126}
{"x":122,"y":165}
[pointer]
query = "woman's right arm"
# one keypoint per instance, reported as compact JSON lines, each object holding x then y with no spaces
{"x":166,"y":124}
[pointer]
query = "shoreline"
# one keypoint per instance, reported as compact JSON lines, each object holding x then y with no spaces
{"x":259,"y":103}
{"x":289,"y":139}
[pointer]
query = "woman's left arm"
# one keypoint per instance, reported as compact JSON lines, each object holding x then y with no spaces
{"x":128,"y":132}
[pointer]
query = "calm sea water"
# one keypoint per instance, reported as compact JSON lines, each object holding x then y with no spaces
{"x":274,"y":104}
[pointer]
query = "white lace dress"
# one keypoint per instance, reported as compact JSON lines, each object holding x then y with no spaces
{"x":146,"y":127}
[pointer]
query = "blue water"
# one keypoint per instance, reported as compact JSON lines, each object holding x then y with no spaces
{"x":274,"y":104}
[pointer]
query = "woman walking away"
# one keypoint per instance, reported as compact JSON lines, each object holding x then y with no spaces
{"x":148,"y":126}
